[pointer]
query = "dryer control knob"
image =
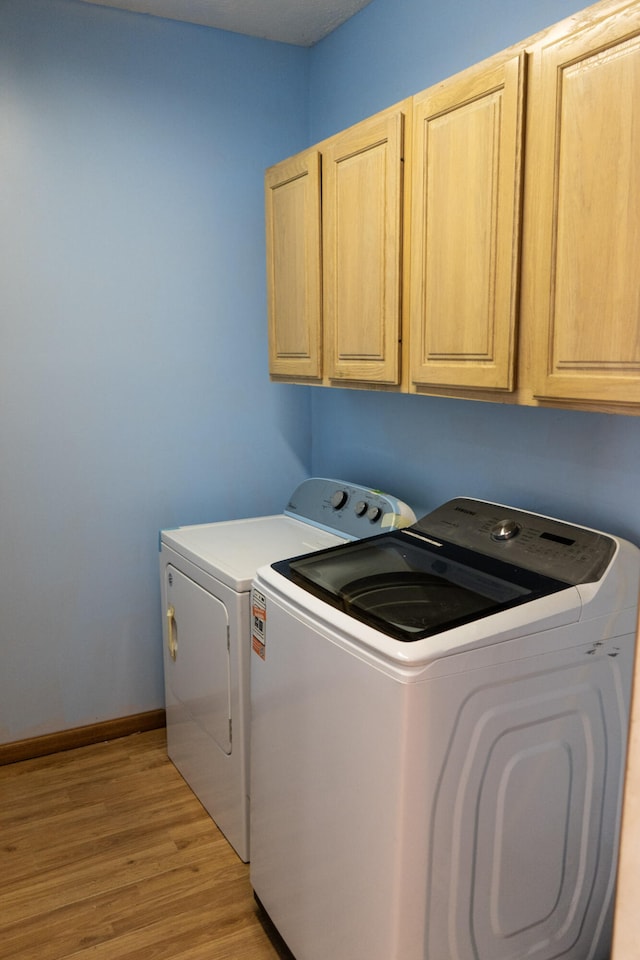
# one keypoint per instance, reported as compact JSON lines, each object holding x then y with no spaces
{"x":505,"y":530}
{"x":361,"y":508}
{"x":374,"y":514}
{"x":339,"y":499}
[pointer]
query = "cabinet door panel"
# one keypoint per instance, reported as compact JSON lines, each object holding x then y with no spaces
{"x":465,"y":228}
{"x":585,"y":201}
{"x":294,"y":264}
{"x":362,"y":208}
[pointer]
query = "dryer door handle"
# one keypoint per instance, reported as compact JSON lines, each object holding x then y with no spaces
{"x":172,"y":633}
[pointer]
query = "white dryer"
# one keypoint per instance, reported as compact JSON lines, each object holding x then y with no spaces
{"x":206,"y":573}
{"x":439,"y":719}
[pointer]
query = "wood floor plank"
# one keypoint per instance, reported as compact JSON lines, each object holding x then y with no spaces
{"x":105,"y":854}
{"x":104,"y":831}
{"x":156,"y":898}
{"x":144,"y":856}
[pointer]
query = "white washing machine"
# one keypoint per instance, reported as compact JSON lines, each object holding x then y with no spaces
{"x":206,"y":572}
{"x":439,"y":723}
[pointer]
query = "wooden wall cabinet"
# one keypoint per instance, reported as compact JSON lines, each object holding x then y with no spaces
{"x":582,"y":249}
{"x":500,"y":210}
{"x":335,"y":223}
{"x":294,"y":267}
{"x":465,"y":236}
{"x":363,"y":211}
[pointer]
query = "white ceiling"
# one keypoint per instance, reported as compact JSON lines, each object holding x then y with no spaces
{"x":302,"y":22}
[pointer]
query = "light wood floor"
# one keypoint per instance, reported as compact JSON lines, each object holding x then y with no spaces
{"x":106,"y":854}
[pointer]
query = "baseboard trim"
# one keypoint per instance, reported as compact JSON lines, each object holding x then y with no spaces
{"x":81,"y":736}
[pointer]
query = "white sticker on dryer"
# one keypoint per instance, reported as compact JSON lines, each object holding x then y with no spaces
{"x":258,"y":623}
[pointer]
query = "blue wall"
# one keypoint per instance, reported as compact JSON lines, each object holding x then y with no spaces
{"x":395,"y":48}
{"x":579,"y":466}
{"x":133,"y":369}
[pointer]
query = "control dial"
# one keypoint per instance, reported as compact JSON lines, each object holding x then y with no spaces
{"x":361,"y":508}
{"x":339,"y":499}
{"x":374,"y":514}
{"x":505,"y":530}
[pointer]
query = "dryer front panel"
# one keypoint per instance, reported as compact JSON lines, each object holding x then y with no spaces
{"x":197,"y":667}
{"x":206,"y":662}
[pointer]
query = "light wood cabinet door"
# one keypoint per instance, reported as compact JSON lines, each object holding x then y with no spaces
{"x":294,"y":267}
{"x":465,"y":227}
{"x":362,"y":263}
{"x":583,"y":201}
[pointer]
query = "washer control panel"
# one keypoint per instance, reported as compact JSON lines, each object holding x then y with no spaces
{"x":551,"y":547}
{"x":348,"y":509}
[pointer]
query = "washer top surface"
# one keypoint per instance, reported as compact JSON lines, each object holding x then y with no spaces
{"x":469,"y":574}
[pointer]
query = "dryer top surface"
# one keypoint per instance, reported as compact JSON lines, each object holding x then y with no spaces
{"x":232,"y":550}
